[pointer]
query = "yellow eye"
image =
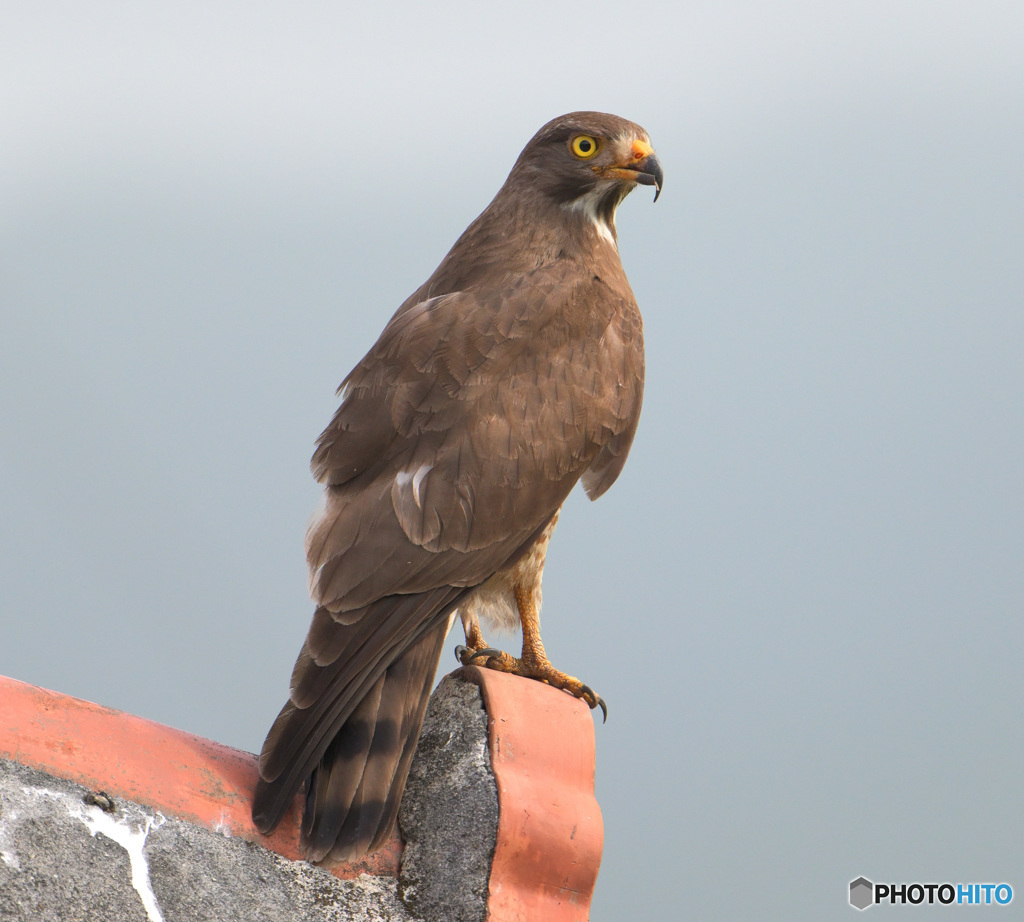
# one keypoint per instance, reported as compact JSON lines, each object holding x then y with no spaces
{"x":584,"y":146}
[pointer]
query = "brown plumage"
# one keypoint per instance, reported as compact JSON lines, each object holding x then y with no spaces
{"x":513,"y":372}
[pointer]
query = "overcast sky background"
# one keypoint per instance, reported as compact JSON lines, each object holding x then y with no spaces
{"x":803,"y":598}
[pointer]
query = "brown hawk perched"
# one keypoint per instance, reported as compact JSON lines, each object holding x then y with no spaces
{"x":513,"y":372}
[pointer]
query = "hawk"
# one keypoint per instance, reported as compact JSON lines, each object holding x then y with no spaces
{"x":515,"y":371}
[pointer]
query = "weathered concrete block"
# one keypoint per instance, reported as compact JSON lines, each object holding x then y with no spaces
{"x":449,"y":815}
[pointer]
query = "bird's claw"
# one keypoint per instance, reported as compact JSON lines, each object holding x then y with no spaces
{"x":486,"y":651}
{"x":466,"y":655}
{"x":588,"y":694}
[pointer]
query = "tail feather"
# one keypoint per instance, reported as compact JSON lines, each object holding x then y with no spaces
{"x":391,"y":752}
{"x":390,"y":813}
{"x":354,"y":794}
{"x":351,"y":724}
{"x":336,"y":781}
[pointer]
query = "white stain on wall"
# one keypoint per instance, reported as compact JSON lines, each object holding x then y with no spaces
{"x":130,"y":836}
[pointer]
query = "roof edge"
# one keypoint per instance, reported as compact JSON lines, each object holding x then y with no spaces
{"x":174,"y":772}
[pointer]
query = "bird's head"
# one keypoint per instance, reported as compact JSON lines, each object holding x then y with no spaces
{"x":588,"y":161}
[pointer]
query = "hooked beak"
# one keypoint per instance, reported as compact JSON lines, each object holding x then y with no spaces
{"x":641,"y":166}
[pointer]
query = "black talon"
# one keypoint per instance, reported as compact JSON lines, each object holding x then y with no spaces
{"x":473,"y":654}
{"x":598,"y":702}
{"x":487,"y":651}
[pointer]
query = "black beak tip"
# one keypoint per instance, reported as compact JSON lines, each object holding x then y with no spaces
{"x":653,"y":167}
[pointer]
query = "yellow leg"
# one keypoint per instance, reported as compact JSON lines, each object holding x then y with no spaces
{"x":534,"y":663}
{"x":474,"y":641}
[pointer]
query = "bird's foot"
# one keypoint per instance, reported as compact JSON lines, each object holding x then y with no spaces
{"x":531,"y":668}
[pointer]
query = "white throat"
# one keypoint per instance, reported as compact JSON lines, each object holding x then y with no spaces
{"x":587,"y":205}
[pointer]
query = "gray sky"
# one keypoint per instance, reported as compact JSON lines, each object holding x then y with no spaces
{"x":803,"y":598}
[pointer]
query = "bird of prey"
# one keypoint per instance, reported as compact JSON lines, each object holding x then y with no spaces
{"x":513,"y":372}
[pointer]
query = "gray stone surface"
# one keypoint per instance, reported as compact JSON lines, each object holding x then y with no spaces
{"x":52,"y":867}
{"x":63,"y":859}
{"x":449,"y":815}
